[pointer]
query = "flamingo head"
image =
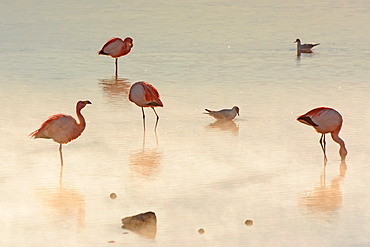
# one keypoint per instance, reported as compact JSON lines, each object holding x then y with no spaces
{"x":297,"y":41}
{"x":236,"y":109}
{"x":130,"y":41}
{"x":82,"y":103}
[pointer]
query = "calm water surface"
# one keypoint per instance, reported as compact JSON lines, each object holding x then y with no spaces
{"x":193,"y":172}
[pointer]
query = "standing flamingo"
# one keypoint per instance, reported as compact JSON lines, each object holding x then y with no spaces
{"x":326,"y":120}
{"x":62,"y":128}
{"x":116,"y":47}
{"x":143,"y":95}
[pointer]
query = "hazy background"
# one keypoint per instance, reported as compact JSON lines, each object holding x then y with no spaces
{"x":264,"y":166}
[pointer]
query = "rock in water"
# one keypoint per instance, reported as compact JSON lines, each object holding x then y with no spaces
{"x":144,"y":224}
{"x":248,"y":222}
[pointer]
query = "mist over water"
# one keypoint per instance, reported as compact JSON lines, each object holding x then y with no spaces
{"x":193,"y":172}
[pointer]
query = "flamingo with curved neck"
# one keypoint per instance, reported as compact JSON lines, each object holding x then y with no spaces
{"x":62,"y":128}
{"x":326,"y":120}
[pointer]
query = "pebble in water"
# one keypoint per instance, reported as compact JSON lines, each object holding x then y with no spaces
{"x":248,"y":222}
{"x":113,"y":196}
{"x":201,"y":231}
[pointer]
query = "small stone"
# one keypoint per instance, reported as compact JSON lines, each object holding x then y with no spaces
{"x":113,"y":196}
{"x":248,"y":222}
{"x":201,"y":231}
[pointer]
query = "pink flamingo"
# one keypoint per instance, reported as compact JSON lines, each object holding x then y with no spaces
{"x":326,"y":120}
{"x":116,"y":47}
{"x":62,"y":128}
{"x":143,"y":95}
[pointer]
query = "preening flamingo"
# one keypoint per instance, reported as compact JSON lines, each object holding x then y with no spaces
{"x":143,"y":95}
{"x":225,"y":114}
{"x":62,"y":128}
{"x":304,"y":47}
{"x":326,"y":120}
{"x":116,"y":47}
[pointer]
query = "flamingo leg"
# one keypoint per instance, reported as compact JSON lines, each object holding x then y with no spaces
{"x":61,"y":177}
{"x":116,"y":67}
{"x":323,"y":146}
{"x":156,"y":123}
{"x":142,"y":109}
{"x":61,"y":155}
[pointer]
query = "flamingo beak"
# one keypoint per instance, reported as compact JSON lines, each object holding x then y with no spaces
{"x":87,"y":102}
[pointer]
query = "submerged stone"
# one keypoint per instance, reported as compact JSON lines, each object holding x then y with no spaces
{"x":144,"y":224}
{"x":248,"y":222}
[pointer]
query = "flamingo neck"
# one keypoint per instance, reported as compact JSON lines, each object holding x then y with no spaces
{"x":342,"y":150}
{"x":81,"y":119}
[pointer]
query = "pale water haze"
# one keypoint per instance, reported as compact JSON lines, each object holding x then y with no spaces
{"x":193,"y":172}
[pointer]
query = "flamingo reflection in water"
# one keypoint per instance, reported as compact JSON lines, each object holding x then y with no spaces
{"x":325,"y":199}
{"x":326,"y":120}
{"x":143,"y":95}
{"x":115,"y":88}
{"x":65,"y":206}
{"x":62,"y":128}
{"x":146,"y":161}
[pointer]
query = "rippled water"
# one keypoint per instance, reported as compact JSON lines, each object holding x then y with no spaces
{"x":193,"y":172}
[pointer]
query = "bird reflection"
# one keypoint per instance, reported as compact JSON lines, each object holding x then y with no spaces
{"x":326,"y":199}
{"x":66,"y":206}
{"x":225,"y":126}
{"x":146,"y":161}
{"x":115,"y":88}
{"x":309,"y":53}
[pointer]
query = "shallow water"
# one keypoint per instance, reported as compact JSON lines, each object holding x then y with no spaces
{"x":193,"y":172}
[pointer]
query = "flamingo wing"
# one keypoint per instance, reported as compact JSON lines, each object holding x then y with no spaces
{"x":323,"y":119}
{"x":144,"y":94}
{"x":112,"y":48}
{"x":61,"y":128}
{"x":152,"y":95}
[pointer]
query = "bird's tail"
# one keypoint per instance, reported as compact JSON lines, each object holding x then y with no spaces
{"x":38,"y":134}
{"x":155,"y":103}
{"x":101,"y":52}
{"x":208,"y":111}
{"x":315,"y":44}
{"x":33,"y":134}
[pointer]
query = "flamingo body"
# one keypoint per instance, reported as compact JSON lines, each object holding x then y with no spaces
{"x":143,"y":95}
{"x":304,"y":47}
{"x":225,"y":114}
{"x":326,"y":120}
{"x":62,"y":128}
{"x":116,"y":48}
